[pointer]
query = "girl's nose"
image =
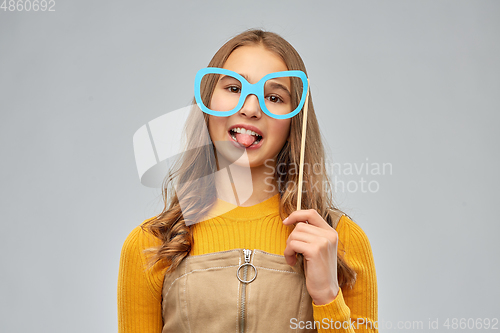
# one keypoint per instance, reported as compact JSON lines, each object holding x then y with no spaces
{"x":251,"y":107}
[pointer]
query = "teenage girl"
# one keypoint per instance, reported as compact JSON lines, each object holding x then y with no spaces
{"x":214,"y":262}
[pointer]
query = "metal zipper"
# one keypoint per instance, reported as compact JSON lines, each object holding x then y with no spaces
{"x":247,"y":254}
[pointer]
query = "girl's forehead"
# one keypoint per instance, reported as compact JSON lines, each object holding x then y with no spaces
{"x":253,"y":62}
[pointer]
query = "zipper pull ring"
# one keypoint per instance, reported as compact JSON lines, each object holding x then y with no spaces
{"x":248,"y":254}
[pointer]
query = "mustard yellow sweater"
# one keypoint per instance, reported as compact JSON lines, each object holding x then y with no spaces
{"x":255,"y":227}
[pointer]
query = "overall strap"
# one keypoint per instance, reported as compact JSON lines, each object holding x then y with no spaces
{"x":335,"y":215}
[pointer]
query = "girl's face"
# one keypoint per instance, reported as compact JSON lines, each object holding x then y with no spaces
{"x":253,"y":63}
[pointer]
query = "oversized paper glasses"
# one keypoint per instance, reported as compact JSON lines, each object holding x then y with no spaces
{"x":274,"y":92}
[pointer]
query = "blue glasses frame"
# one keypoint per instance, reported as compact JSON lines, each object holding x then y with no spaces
{"x":247,"y":88}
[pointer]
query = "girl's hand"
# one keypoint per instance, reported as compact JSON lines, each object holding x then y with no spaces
{"x":317,"y":242}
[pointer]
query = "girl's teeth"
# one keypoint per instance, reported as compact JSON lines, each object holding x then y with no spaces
{"x":245,"y":131}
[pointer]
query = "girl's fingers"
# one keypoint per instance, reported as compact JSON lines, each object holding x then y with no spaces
{"x":321,"y":234}
{"x":311,"y":229}
{"x":309,"y":215}
{"x":305,"y":236}
{"x":309,"y":239}
{"x":293,"y":247}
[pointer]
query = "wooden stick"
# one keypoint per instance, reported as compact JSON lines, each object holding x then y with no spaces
{"x":301,"y":166}
{"x":302,"y":148}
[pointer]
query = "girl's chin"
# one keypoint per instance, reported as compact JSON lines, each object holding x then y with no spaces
{"x":228,"y":154}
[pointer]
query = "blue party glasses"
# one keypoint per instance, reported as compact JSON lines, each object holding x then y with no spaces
{"x":278,"y":93}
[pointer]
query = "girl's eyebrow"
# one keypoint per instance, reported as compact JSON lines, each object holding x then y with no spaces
{"x":231,"y":77}
{"x":276,"y":85}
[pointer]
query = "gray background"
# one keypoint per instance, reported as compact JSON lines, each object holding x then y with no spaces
{"x":411,"y":83}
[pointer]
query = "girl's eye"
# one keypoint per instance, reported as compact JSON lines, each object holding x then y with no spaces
{"x":234,"y":89}
{"x":275,"y":99}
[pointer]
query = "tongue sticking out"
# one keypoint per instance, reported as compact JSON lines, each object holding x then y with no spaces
{"x":245,"y":139}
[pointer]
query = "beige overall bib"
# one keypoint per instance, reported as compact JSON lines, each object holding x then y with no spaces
{"x":240,"y":290}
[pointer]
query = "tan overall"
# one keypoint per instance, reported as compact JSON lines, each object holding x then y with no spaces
{"x":240,"y":290}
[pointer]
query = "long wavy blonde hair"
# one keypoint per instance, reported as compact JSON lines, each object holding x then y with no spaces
{"x":198,"y":166}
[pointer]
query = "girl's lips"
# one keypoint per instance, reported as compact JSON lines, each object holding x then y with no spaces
{"x":251,"y":147}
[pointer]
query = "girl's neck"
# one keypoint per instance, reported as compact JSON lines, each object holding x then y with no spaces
{"x":244,"y":186}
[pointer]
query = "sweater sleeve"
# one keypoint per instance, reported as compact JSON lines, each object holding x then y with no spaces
{"x":356,"y":308}
{"x":139,"y":290}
